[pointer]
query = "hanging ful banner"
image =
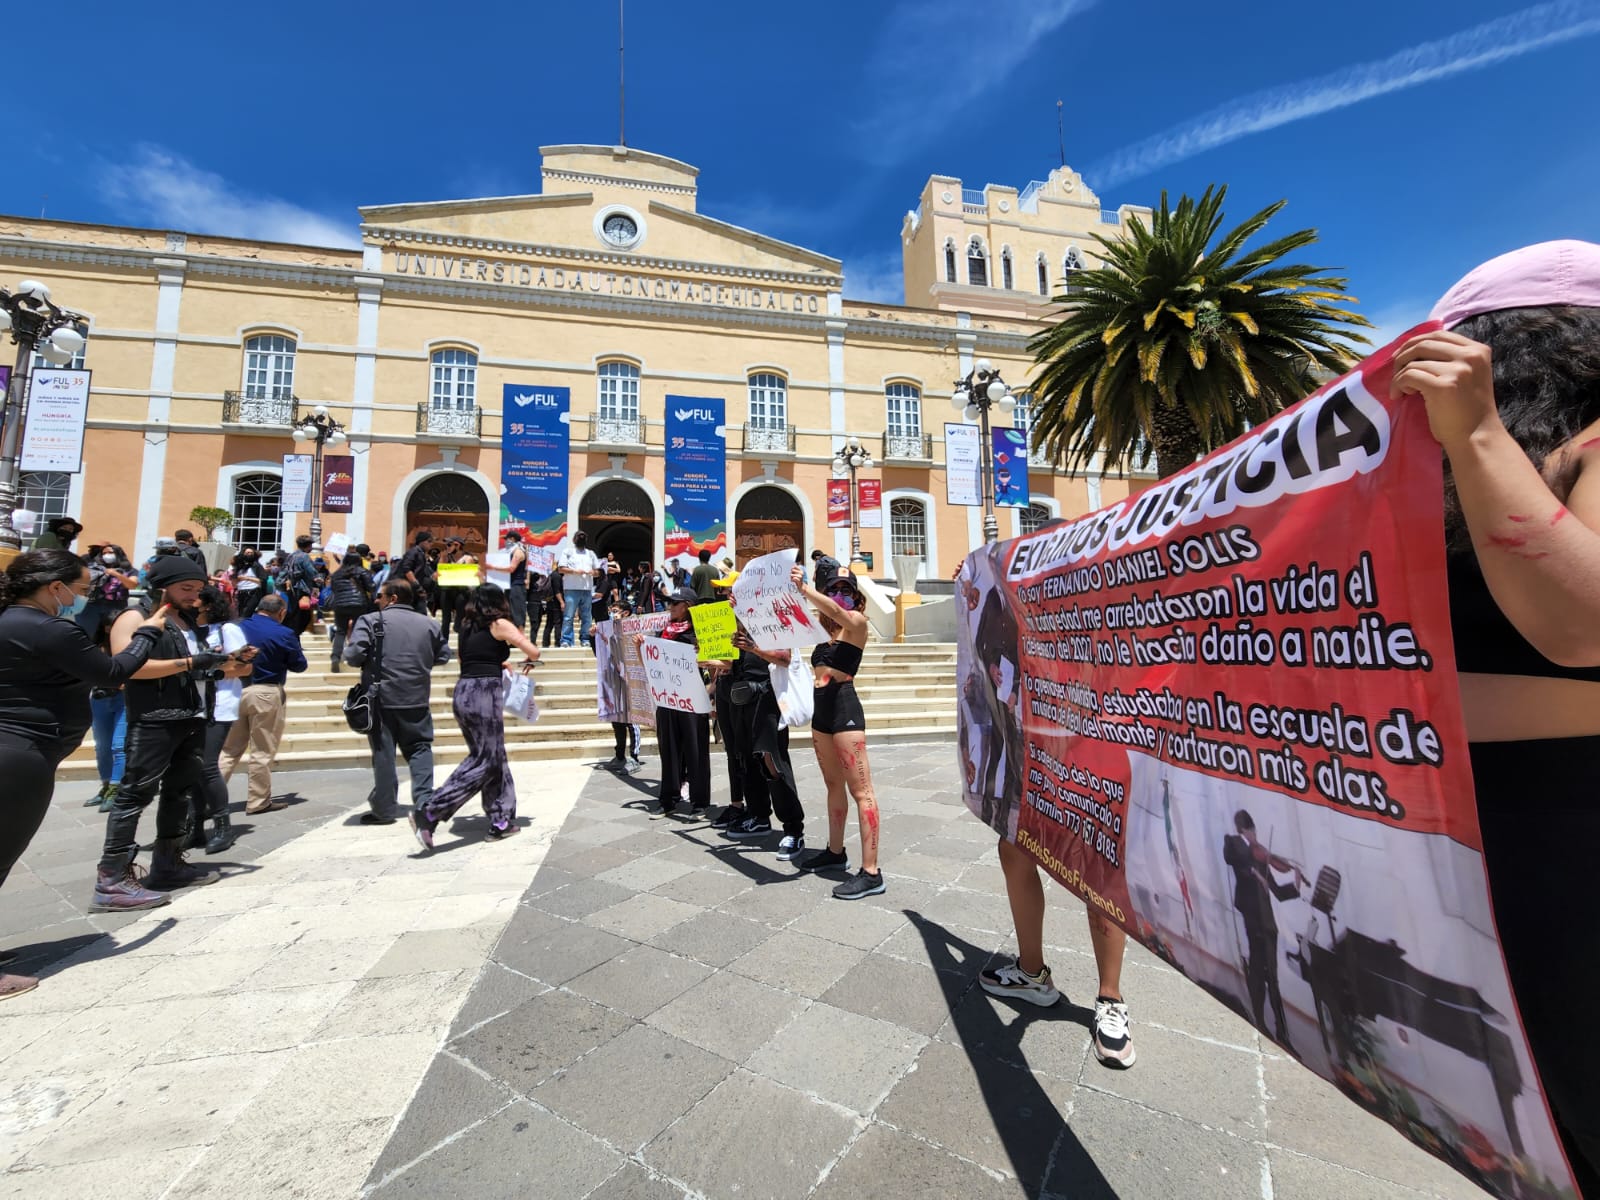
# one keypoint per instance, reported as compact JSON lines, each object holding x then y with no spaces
{"x":697,"y":463}
{"x":534,"y":444}
{"x":1010,"y":467}
{"x":1224,"y":712}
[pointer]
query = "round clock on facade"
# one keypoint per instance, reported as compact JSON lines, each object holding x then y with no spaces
{"x":620,"y":230}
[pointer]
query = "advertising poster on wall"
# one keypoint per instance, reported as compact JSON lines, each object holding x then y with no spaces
{"x":338,"y":483}
{"x":1010,"y":467}
{"x":298,"y":476}
{"x":869,"y":503}
{"x":1227,"y":717}
{"x":963,"y":474}
{"x":697,"y":463}
{"x":838,"y":504}
{"x":535,"y":438}
{"x":58,"y":406}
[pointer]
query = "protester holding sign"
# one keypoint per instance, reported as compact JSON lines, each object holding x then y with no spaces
{"x":684,"y":737}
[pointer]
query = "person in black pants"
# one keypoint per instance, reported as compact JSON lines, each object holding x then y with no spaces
{"x":354,"y":594}
{"x":517,"y":593}
{"x":684,"y":738}
{"x":1254,"y":890}
{"x":761,"y":751}
{"x":47,"y":667}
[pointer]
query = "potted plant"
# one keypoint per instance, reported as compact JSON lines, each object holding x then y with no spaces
{"x":212,"y":519}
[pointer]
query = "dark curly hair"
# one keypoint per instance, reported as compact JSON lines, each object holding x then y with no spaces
{"x":484,"y":607}
{"x":35,"y":569}
{"x":1546,"y":386}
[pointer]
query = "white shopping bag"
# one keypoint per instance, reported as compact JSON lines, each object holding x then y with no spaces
{"x":520,"y":699}
{"x":792,"y":688}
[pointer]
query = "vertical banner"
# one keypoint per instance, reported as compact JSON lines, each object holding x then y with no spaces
{"x":838,"y":504}
{"x":58,"y":406}
{"x":1227,"y":717}
{"x":963,"y":470}
{"x":697,"y":464}
{"x":535,"y":429}
{"x":869,"y":503}
{"x":1010,"y":467}
{"x":338,"y":483}
{"x":298,"y":476}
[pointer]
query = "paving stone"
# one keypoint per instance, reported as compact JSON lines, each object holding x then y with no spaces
{"x":497,"y":990}
{"x":883,"y":1159}
{"x":779,"y":903}
{"x":431,"y":950}
{"x":728,"y":1015}
{"x":1052,"y":1040}
{"x":534,"y":1040}
{"x":643,"y":874}
{"x":946,"y":947}
{"x":142,"y":1175}
{"x":974,"y":910}
{"x":862,"y":925}
{"x":1000,"y":1116}
{"x":1163,"y":997}
{"x":911,"y":864}
{"x":588,"y":862}
{"x":548,"y":878}
{"x":706,"y":888}
{"x":797,"y":962}
{"x":578,"y":900}
{"x":641,"y":916}
{"x":338,"y":1077}
{"x":640,"y":980}
{"x":1297,"y":1175}
{"x":450,"y":1097}
{"x":517,"y":1153}
{"x":840,"y":1056}
{"x":664,"y":1078}
{"x":558,"y":955}
{"x":711,"y":1145}
{"x":396,"y":1004}
{"x":908,"y":994}
{"x":633,"y":1182}
{"x":1115,"y":1148}
{"x":714,"y":938}
{"x":598,"y":833}
{"x":1188,"y":1078}
{"x":942,"y":845}
{"x":331,"y":1152}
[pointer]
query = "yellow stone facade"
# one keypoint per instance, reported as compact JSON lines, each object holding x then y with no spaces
{"x":610,"y":268}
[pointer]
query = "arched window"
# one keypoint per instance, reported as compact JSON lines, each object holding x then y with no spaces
{"x":257,"y":512}
{"x":268,"y":367}
{"x":617,"y":410}
{"x":1033,"y":518}
{"x":949,"y":262}
{"x":908,"y":528}
{"x":1044,"y":277}
{"x":903,"y":410}
{"x":1070,"y":266}
{"x":455,"y":381}
{"x":768,"y":425}
{"x":977,"y":264}
{"x":1005,"y":269}
{"x":44,"y":492}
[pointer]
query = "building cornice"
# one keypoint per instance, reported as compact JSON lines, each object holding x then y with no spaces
{"x":421,"y":208}
{"x":618,"y":181}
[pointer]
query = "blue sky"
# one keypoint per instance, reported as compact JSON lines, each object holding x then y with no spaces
{"x":1418,"y":138}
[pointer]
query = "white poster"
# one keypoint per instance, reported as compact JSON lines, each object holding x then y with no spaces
{"x":673,"y":676}
{"x":541,"y":561}
{"x":963,"y":479}
{"x":498,"y":564}
{"x":58,"y":405}
{"x":297,"y":480}
{"x":771,"y":608}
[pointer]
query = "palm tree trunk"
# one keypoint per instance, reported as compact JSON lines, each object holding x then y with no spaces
{"x":1175,"y":440}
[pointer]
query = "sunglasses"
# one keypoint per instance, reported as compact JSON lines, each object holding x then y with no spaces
{"x":844,"y":598}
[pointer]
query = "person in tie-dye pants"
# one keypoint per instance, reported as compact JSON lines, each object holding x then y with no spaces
{"x":486,"y":638}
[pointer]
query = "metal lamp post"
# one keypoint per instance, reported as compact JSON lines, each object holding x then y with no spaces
{"x":323,"y":430}
{"x":848,"y":459}
{"x":35,"y":323}
{"x":974,"y":396}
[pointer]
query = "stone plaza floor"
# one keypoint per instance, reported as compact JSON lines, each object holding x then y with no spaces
{"x":609,"y":1007}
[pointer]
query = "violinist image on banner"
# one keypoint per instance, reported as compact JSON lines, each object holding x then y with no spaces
{"x":1254,"y":889}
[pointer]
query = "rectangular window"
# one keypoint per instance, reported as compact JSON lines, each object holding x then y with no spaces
{"x":455,"y":381}
{"x":769,"y":404}
{"x":44,"y":492}
{"x":905,"y":410}
{"x":908,"y":528}
{"x":269,"y":367}
{"x":619,"y":392}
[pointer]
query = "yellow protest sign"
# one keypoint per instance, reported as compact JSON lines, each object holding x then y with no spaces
{"x":459,"y":575}
{"x":713,"y":629}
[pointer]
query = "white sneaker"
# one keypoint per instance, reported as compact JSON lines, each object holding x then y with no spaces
{"x":1113,"y":1042}
{"x":1011,"y":980}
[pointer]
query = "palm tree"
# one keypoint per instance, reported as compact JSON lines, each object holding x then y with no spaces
{"x":1177,"y":345}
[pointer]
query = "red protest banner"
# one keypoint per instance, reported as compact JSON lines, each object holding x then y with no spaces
{"x":838,"y":504}
{"x":338,"y":483}
{"x":869,"y":500}
{"x":1225,"y":713}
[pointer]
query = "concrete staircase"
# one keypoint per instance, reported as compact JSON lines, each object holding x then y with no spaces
{"x":909,"y":693}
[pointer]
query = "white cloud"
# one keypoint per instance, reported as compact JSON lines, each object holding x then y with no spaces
{"x":162,"y":188}
{"x":877,"y":278}
{"x":935,"y":57}
{"x":1483,"y":45}
{"x":1390,"y":321}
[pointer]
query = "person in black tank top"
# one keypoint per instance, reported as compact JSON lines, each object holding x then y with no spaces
{"x":486,"y":638}
{"x":839,"y":733}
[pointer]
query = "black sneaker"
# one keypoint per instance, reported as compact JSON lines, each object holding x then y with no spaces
{"x":750,"y":827}
{"x":727,"y":816}
{"x":824,"y":860}
{"x":791,"y":847}
{"x":859,"y":886}
{"x":613,"y":764}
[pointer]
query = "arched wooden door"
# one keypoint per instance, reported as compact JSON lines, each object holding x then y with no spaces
{"x":766,"y":520}
{"x":619,"y":519}
{"x":449,"y":505}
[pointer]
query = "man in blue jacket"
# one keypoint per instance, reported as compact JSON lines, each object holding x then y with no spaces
{"x":259,"y":728}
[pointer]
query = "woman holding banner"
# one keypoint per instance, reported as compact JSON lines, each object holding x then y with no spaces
{"x":838,"y":732}
{"x":683,"y":738}
{"x":1512,"y":388}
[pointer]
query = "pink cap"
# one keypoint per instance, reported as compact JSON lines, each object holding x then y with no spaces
{"x":1565,"y":272}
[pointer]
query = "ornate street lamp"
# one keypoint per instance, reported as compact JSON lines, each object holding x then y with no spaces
{"x":57,"y":334}
{"x":974,"y":396}
{"x":325,"y":431}
{"x":847,"y":460}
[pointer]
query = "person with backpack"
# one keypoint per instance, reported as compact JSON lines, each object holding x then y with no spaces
{"x":415,"y":569}
{"x":353,"y":593}
{"x":300,"y":586}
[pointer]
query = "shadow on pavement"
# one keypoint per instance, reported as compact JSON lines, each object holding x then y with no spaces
{"x":1035,"y":1135}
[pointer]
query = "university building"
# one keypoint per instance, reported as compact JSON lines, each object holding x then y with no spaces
{"x":205,"y":351}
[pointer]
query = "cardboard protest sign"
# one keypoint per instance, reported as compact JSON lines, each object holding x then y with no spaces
{"x":337,"y":545}
{"x":497,"y":565}
{"x":619,"y":670}
{"x":459,"y":575}
{"x":673,"y":677}
{"x":1225,"y":713}
{"x":541,"y":561}
{"x":714,"y":626}
{"x":771,"y":608}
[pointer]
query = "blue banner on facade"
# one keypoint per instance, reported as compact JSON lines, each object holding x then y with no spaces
{"x":697,"y":465}
{"x":534,"y":453}
{"x":1011,"y":467}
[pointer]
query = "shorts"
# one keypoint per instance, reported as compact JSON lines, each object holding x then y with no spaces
{"x":838,"y":709}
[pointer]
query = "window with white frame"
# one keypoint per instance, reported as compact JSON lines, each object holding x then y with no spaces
{"x":617,"y":410}
{"x":1044,"y":277}
{"x":908,"y":528}
{"x":949,"y":262}
{"x":269,"y":367}
{"x":454,"y":386}
{"x":257,"y":512}
{"x":977,"y":264}
{"x":1070,"y":266}
{"x":904,"y":412}
{"x":76,"y":363}
{"x":44,"y":492}
{"x":769,"y":401}
{"x":1006,"y":280}
{"x":1034,"y":517}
